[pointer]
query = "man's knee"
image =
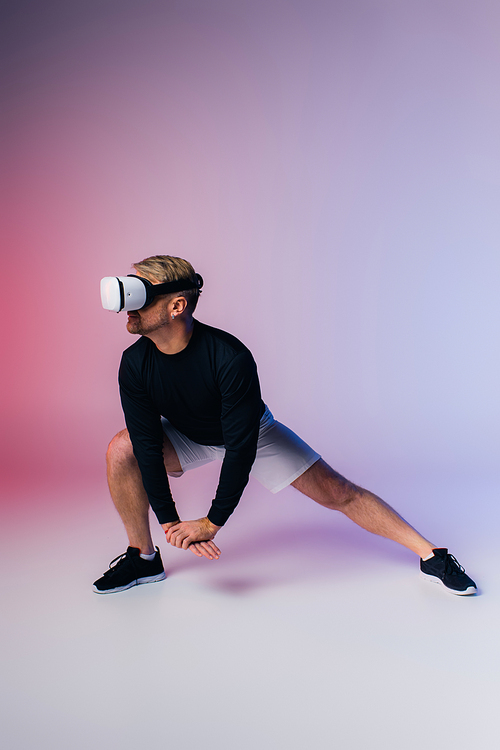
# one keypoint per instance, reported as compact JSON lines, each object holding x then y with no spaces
{"x":327,"y":487}
{"x":120,"y":451}
{"x":339,"y":491}
{"x":344,"y":494}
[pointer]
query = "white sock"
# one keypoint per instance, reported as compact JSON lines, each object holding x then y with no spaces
{"x":148,"y":557}
{"x":424,"y":558}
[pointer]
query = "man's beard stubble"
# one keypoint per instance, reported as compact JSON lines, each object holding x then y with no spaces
{"x":138,"y":326}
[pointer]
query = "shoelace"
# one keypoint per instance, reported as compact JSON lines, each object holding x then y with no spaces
{"x":452,"y":566}
{"x":113,"y":567}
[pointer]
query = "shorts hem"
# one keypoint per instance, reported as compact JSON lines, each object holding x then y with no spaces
{"x":295,"y":475}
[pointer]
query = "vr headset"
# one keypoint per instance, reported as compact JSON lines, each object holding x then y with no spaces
{"x":134,"y":293}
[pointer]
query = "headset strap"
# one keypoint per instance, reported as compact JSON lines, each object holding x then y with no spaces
{"x":181,"y":285}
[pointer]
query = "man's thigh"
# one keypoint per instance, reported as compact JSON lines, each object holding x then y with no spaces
{"x":282,"y":456}
{"x":184,"y":454}
{"x":121,"y":447}
{"x":170,"y":458}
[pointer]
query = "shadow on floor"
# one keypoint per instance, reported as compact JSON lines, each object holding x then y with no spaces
{"x":281,"y":555}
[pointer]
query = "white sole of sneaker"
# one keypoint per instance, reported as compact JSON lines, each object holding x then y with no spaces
{"x":137,"y":582}
{"x":433,"y":579}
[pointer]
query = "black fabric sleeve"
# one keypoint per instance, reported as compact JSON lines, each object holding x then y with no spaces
{"x":144,"y":426}
{"x":240,"y":417}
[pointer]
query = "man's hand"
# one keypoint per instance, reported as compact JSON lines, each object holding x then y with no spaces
{"x":194,"y":535}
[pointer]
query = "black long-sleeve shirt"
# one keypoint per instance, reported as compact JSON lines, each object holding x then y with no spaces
{"x":210,"y":392}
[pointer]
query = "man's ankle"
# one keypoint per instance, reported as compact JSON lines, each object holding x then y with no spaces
{"x":148,"y":555}
{"x":144,"y":549}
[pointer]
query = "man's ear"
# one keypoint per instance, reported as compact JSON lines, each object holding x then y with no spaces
{"x":179,"y":304}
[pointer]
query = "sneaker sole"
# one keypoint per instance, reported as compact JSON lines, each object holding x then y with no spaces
{"x":137,"y":582}
{"x":433,"y":579}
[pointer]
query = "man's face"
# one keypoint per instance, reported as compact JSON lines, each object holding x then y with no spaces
{"x":150,"y":318}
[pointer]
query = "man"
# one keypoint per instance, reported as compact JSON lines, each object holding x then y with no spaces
{"x":190,"y":394}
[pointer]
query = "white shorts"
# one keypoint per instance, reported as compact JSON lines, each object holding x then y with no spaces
{"x":281,"y":455}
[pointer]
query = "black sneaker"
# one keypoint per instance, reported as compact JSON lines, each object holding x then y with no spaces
{"x":128,"y":570}
{"x":445,"y":569}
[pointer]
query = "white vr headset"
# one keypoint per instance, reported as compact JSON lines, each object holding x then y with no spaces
{"x":133,"y":292}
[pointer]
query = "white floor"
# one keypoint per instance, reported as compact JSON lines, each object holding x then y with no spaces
{"x":308,"y":633}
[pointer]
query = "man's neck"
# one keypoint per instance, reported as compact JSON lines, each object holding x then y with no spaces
{"x":173,"y":338}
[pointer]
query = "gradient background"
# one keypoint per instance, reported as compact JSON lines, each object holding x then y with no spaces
{"x":332,"y":169}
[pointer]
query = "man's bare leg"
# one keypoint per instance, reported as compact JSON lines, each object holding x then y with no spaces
{"x":127,"y":490}
{"x":324,"y":485}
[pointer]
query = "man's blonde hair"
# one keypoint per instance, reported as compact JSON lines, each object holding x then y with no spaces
{"x":160,"y":268}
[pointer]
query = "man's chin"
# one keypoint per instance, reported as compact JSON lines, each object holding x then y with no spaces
{"x":134,"y":326}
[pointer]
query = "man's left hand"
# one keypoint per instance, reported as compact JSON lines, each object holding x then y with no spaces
{"x":185,"y":533}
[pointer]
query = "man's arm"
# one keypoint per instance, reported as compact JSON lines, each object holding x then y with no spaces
{"x":241,"y":411}
{"x":240,"y":418}
{"x":146,"y":434}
